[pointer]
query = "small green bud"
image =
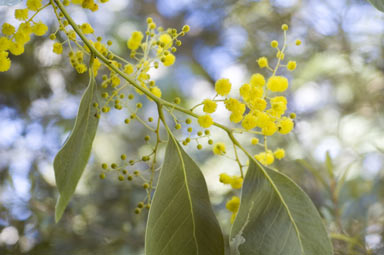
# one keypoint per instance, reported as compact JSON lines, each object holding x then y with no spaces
{"x":177,"y":100}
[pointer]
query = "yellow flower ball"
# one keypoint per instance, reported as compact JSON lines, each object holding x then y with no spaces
{"x":219,"y":149}
{"x":128,"y":68}
{"x":237,"y":182}
{"x":135,"y":40}
{"x":225,"y":178}
{"x":245,"y":90}
{"x":5,"y":62}
{"x":39,"y":29}
{"x":209,"y":106}
{"x":291,"y":65}
{"x":263,"y":62}
{"x":223,"y":86}
{"x":262,"y":119}
{"x":257,"y":80}
{"x":285,"y":125}
{"x":279,"y":105}
{"x":236,"y":117}
{"x":269,"y":129}
{"x":86,"y":28}
{"x":249,"y":121}
{"x":16,"y":49}
{"x":265,"y":158}
{"x":277,"y":83}
{"x":5,"y":43}
{"x":156,"y":91}
{"x":279,"y":153}
{"x":254,"y":141}
{"x":233,"y":204}
{"x":8,"y":29}
{"x":34,"y":5}
{"x":21,"y":14}
{"x":166,"y":41}
{"x":205,"y":121}
{"x":169,"y":60}
{"x":57,"y":48}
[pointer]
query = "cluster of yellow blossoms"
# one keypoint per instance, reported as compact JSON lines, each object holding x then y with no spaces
{"x":259,"y":109}
{"x":13,"y":40}
{"x":147,"y":51}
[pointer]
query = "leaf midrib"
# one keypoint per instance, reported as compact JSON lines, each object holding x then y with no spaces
{"x":282,"y":201}
{"x":188,"y":191}
{"x":83,"y":137}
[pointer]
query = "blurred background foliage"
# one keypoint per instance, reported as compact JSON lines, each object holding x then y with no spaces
{"x":335,"y":153}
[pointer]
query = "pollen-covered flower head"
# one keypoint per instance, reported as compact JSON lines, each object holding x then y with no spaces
{"x":209,"y":106}
{"x":223,"y":86}
{"x":135,"y":40}
{"x":277,"y":84}
{"x":219,"y":149}
{"x":205,"y":121}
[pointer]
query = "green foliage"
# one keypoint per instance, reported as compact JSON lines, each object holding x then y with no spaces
{"x":181,"y":219}
{"x":71,"y":160}
{"x":276,"y":217}
{"x":379,"y":4}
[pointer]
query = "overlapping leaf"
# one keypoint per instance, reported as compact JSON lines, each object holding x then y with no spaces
{"x":276,"y":217}
{"x":71,"y":160}
{"x":181,"y":219}
{"x":379,"y":4}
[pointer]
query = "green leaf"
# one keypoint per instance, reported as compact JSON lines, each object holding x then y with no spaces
{"x":276,"y":217}
{"x":71,"y":160}
{"x":379,"y":4}
{"x":181,"y":219}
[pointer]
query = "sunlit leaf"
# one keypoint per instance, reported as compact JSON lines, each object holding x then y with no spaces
{"x":276,"y":217}
{"x":71,"y":160}
{"x":181,"y":219}
{"x":379,"y":4}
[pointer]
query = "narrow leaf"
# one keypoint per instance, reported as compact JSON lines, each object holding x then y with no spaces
{"x":276,"y":217}
{"x":379,"y":4}
{"x":71,"y":160}
{"x":181,"y":219}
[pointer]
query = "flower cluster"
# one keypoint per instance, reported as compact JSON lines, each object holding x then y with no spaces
{"x":14,"y":39}
{"x":259,"y":109}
